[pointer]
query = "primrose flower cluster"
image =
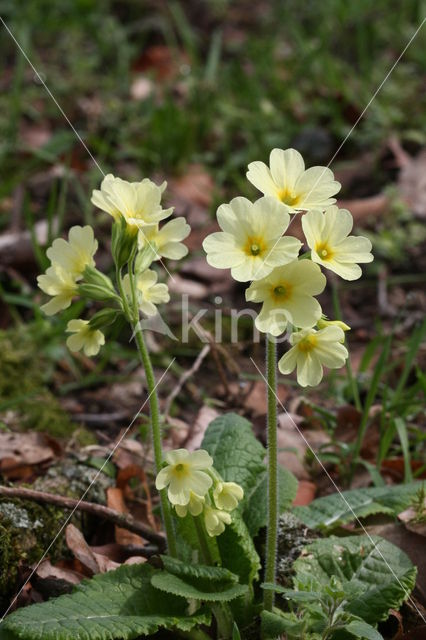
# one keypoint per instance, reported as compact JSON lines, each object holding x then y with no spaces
{"x":195,"y":487}
{"x":252,"y":244}
{"x":137,"y":242}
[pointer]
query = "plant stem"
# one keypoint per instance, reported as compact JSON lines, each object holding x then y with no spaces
{"x":133,"y":317}
{"x":221,"y":610}
{"x":272,"y":522}
{"x":352,"y":379}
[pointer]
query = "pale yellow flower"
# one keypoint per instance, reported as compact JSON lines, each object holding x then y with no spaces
{"x":59,"y":284}
{"x":167,"y":241}
{"x":138,"y":202}
{"x":287,"y":180}
{"x":86,"y":338}
{"x":226,"y":495}
{"x":76,"y":254}
{"x":250,"y":243}
{"x":311,"y":351}
{"x":287,"y":296}
{"x":194,"y":507}
{"x":215,"y":521}
{"x":327,"y":235}
{"x":149,"y":292}
{"x":324,"y":322}
{"x":184,"y":474}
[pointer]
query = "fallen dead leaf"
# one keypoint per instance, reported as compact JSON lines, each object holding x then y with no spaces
{"x":202,"y":421}
{"x":305,"y":493}
{"x":53,"y":581}
{"x":184,"y":286}
{"x":115,"y":500}
{"x":80,"y":549}
{"x":18,"y":451}
{"x":292,"y":447}
{"x":135,"y":560}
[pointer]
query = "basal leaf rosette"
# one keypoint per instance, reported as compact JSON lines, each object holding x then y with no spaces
{"x":251,"y":242}
{"x":287,"y":180}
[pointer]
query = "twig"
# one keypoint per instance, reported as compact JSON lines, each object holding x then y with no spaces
{"x":120,"y":519}
{"x":184,"y":378}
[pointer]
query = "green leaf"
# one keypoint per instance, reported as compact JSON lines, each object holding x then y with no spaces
{"x":118,"y":605}
{"x":255,"y":504}
{"x":198,"y":589}
{"x":198,"y":571}
{"x":380,"y":575}
{"x":335,"y":509}
{"x":237,"y":455}
{"x":363,"y":630}
{"x":274,"y":625}
{"x":237,"y":550}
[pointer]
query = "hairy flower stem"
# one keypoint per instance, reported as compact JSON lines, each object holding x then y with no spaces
{"x":132,"y":314}
{"x":221,"y":610}
{"x":272,"y":522}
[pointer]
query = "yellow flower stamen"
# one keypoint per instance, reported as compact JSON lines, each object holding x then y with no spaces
{"x":254,"y":246}
{"x":324,"y":251}
{"x":307,"y":344}
{"x":281,"y":292}
{"x":287,"y":198}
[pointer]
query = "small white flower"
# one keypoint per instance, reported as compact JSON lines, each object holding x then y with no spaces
{"x":287,"y":180}
{"x":60,"y":285}
{"x":226,"y":495}
{"x":215,"y":521}
{"x":327,"y":235}
{"x":166,"y":241}
{"x":149,"y":293}
{"x":250,"y":243}
{"x":86,"y":338}
{"x":139,"y":203}
{"x":287,"y":296}
{"x":195,"y":506}
{"x":76,"y":254}
{"x":311,"y":351}
{"x":185,"y":473}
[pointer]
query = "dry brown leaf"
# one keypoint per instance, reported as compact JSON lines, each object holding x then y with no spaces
{"x":18,"y":451}
{"x":80,"y":549}
{"x":50,"y":573}
{"x":135,"y":560}
{"x":292,"y":447}
{"x":195,"y":186}
{"x":115,"y":501}
{"x":192,"y":289}
{"x":202,"y":421}
{"x":305,"y":493}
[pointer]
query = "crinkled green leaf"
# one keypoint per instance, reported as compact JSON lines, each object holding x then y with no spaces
{"x":237,"y":550}
{"x":198,"y":571}
{"x":198,"y":589}
{"x":118,"y":605}
{"x":274,"y":625}
{"x":237,"y":455}
{"x":335,"y":509}
{"x":361,"y":629}
{"x":255,"y":503}
{"x":380,"y":575}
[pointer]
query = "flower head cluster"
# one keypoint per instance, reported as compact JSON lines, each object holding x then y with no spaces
{"x":68,"y":259}
{"x":194,"y":487}
{"x":252,"y":244}
{"x":137,"y":242}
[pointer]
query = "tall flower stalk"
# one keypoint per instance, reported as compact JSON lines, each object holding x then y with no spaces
{"x":272,"y":518}
{"x":252,"y":244}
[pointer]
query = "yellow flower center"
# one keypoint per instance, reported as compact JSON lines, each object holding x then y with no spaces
{"x":307,"y":344}
{"x":288,"y":198}
{"x":254,"y":246}
{"x":281,"y":292}
{"x":181,"y":470}
{"x":324,"y":251}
